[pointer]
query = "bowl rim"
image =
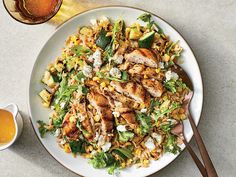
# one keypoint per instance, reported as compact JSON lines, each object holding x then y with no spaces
{"x":113,"y":6}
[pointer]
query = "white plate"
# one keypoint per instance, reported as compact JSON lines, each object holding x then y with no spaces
{"x":52,"y":49}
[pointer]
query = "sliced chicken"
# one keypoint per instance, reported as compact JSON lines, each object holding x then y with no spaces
{"x":153,"y":86}
{"x":113,"y":95}
{"x":69,"y":128}
{"x":133,"y":90}
{"x":101,"y":104}
{"x":139,"y":70}
{"x":129,"y":115}
{"x":142,"y":56}
{"x":85,"y":119}
{"x":123,"y":109}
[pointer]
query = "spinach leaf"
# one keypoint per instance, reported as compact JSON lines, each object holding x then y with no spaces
{"x":125,"y":136}
{"x":42,"y":128}
{"x":145,"y":123}
{"x":77,"y":146}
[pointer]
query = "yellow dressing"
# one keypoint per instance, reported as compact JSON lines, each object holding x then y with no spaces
{"x":7,"y":127}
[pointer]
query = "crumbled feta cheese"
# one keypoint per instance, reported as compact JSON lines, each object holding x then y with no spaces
{"x":115,"y":72}
{"x":97,"y":59}
{"x":174,"y":76}
{"x":118,"y":59}
{"x":62,"y":104}
{"x":106,"y":146}
{"x":158,"y":137}
{"x":93,"y":22}
{"x":161,"y":65}
{"x":63,"y":142}
{"x":121,"y":128}
{"x":96,"y":136}
{"x":57,"y":132}
{"x":118,"y":104}
{"x":116,"y":114}
{"x":171,"y":75}
{"x":93,"y":152}
{"x":144,"y":110}
{"x":101,"y":140}
{"x":52,"y":107}
{"x":150,"y":144}
{"x":87,"y":70}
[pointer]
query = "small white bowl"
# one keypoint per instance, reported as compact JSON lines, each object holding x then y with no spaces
{"x":12,"y":108}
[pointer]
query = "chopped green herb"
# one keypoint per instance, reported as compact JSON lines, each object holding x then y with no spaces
{"x":145,"y":122}
{"x":160,"y":113}
{"x":146,"y":17}
{"x":102,"y":160}
{"x":170,"y":85}
{"x":124,"y":153}
{"x":42,"y":128}
{"x":80,"y":50}
{"x":171,"y":145}
{"x":125,"y":136}
{"x":153,"y":104}
{"x":112,"y":168}
{"x":106,"y":76}
{"x":79,"y":76}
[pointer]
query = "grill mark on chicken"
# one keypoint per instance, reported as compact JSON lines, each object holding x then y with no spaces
{"x":101,"y":104}
{"x":133,"y":90}
{"x":154,"y":87}
{"x":69,"y":128}
{"x":142,"y":56}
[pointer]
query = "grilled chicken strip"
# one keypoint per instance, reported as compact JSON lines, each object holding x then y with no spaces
{"x":125,"y":112}
{"x":154,"y":87}
{"x":133,"y":90}
{"x":142,"y":56}
{"x":102,"y":106}
{"x":85,"y":119}
{"x":139,"y":70}
{"x":69,"y":128}
{"x":128,"y":115}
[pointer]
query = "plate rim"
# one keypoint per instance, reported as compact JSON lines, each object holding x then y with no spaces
{"x":101,"y":7}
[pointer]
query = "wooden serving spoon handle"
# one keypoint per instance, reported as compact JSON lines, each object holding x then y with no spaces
{"x":211,"y":171}
{"x":196,"y":159}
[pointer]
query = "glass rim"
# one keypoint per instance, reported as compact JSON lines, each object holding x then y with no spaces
{"x":34,"y":23}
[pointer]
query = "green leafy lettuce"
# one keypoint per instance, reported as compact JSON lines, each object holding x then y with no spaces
{"x":125,"y":136}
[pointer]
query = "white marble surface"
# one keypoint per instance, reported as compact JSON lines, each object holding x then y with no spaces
{"x":210,"y":29}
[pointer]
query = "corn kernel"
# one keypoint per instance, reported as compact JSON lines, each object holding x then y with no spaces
{"x":74,"y":39}
{"x":67,"y":148}
{"x":145,"y":76}
{"x":103,"y":84}
{"x":90,"y":148}
{"x":123,"y":164}
{"x":72,"y":119}
{"x":90,"y":106}
{"x":111,"y":88}
{"x":96,"y":118}
{"x":96,"y":79}
{"x":138,"y":130}
{"x":46,"y":104}
{"x":52,"y":69}
{"x":158,"y":70}
{"x":138,"y":152}
{"x":166,"y":57}
{"x":142,"y":105}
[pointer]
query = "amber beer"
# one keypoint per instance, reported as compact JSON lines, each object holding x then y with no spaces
{"x":32,"y":11}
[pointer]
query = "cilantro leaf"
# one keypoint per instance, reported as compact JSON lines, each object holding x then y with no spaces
{"x":145,"y":122}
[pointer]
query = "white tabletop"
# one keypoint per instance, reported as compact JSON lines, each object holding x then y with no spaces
{"x":210,"y":29}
